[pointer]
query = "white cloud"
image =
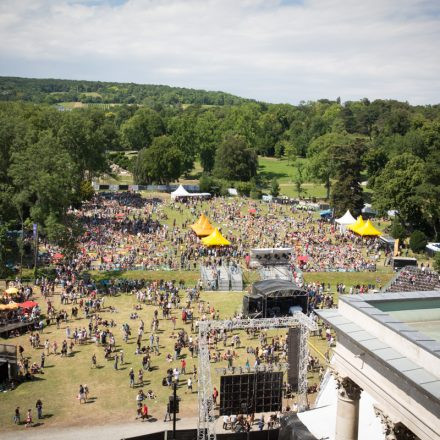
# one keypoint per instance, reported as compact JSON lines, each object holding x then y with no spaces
{"x":265,"y":49}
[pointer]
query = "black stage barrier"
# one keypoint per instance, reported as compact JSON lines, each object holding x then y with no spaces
{"x":183,"y":434}
{"x":271,"y":434}
{"x":191,"y":434}
{"x":291,"y":428}
{"x":154,"y":436}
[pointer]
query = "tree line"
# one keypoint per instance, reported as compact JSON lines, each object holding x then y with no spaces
{"x":48,"y":156}
{"x":52,"y":91}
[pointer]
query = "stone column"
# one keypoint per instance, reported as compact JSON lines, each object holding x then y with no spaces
{"x":347,"y":413}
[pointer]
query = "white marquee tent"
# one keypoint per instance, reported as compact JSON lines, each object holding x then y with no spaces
{"x":182,"y":192}
{"x":344,"y":221}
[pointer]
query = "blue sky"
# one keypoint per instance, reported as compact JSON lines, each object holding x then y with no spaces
{"x":271,"y":50}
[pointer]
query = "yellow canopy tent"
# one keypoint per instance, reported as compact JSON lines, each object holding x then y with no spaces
{"x":10,"y":306}
{"x":357,"y":225}
{"x":215,"y":239}
{"x":12,"y":291}
{"x":202,"y":227}
{"x":368,"y":230}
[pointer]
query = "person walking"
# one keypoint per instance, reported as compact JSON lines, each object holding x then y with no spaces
{"x":116,"y":362}
{"x":141,"y":377}
{"x":183,"y":366}
{"x":43,"y":359}
{"x":81,"y":395}
{"x":17,"y":416}
{"x":145,"y":412}
{"x":261,"y":423}
{"x":28,"y":419}
{"x":168,"y":413}
{"x":131,"y":376}
{"x":39,"y":406}
{"x":94,"y":360}
{"x":189,"y":385}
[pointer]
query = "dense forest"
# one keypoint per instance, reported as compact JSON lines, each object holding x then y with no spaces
{"x":48,"y":156}
{"x":52,"y":91}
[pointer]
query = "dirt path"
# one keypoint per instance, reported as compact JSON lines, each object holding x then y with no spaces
{"x":107,"y":432}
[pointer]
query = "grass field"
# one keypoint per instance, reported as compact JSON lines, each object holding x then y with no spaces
{"x":112,"y":399}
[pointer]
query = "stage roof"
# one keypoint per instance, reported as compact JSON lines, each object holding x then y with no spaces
{"x":269,"y":287}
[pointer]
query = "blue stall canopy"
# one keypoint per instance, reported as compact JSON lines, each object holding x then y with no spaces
{"x":326,"y":213}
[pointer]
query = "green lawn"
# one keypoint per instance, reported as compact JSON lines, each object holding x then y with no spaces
{"x":113,"y":400}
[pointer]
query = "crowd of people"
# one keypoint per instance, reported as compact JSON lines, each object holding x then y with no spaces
{"x":123,"y":231}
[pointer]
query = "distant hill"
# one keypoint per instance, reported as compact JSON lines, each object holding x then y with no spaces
{"x":52,"y":91}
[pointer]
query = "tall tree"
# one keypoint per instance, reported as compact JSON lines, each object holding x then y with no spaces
{"x":139,"y":131}
{"x":161,"y":163}
{"x":396,"y":187}
{"x":320,"y":164}
{"x":182,"y":132}
{"x":235,"y":160}
{"x":347,"y":192}
{"x":208,"y":137}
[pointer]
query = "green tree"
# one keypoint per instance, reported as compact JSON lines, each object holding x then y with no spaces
{"x":437,"y":262}
{"x":396,"y":188}
{"x":161,"y":163}
{"x":417,"y":241}
{"x":81,"y":134}
{"x":235,"y":160}
{"x":299,"y":178}
{"x":138,"y":131}
{"x":398,"y":231}
{"x":47,"y":174}
{"x":182,"y":132}
{"x":275,"y":188}
{"x":321,"y":165}
{"x":347,"y":192}
{"x":208,"y":136}
{"x":244,"y":121}
{"x":270,"y":130}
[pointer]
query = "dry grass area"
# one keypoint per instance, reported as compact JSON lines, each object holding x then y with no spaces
{"x":112,"y":399}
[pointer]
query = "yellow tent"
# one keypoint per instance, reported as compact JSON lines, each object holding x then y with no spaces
{"x":357,"y":225}
{"x":215,"y":239}
{"x":368,"y":229}
{"x":10,"y":306}
{"x":12,"y":291}
{"x":202,"y":226}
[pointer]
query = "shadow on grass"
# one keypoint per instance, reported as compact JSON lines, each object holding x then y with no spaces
{"x":270,"y":175}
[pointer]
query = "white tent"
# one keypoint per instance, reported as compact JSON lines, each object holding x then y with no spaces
{"x":368,"y":209}
{"x":180,"y":192}
{"x":346,"y":220}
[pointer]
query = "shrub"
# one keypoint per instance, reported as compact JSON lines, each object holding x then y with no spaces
{"x":437,"y":261}
{"x":275,"y":188}
{"x":398,"y":231}
{"x":417,"y":241}
{"x":243,"y":188}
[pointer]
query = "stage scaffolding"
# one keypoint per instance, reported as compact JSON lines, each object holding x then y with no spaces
{"x":206,"y":424}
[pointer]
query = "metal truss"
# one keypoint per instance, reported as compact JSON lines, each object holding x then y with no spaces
{"x":262,"y":368}
{"x":206,"y":424}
